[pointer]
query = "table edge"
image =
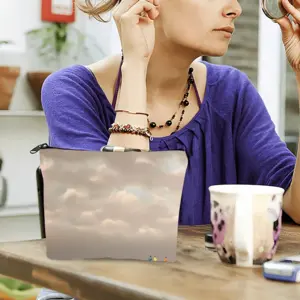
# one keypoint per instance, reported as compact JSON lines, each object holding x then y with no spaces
{"x":108,"y":287}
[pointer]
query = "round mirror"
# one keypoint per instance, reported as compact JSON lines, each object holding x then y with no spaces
{"x":274,"y":9}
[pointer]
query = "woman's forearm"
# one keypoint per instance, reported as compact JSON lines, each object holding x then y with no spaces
{"x":292,"y":198}
{"x":133,"y":98}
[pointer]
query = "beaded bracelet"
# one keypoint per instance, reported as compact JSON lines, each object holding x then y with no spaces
{"x":127,"y":128}
{"x":118,"y":149}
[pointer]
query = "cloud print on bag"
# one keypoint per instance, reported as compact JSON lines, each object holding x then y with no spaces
{"x":87,"y":217}
{"x":71,"y":167}
{"x":98,"y":211}
{"x":170,"y":220}
{"x":180,"y":171}
{"x":46,"y":163}
{"x":56,"y":221}
{"x":122,"y":197}
{"x":48,"y":221}
{"x":102,"y":173}
{"x":110,"y":224}
{"x":74,"y":193}
{"x":113,"y":202}
{"x":112,"y":227}
{"x":144,"y":160}
{"x":150,"y":232}
{"x":172,"y":166}
{"x":141,"y":202}
{"x":100,"y":168}
{"x":83,"y":228}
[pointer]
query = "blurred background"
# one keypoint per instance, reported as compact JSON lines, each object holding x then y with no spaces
{"x":32,"y":46}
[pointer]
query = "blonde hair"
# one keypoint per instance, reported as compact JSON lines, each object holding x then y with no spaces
{"x":95,"y":10}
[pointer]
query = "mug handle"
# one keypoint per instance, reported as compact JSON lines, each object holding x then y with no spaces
{"x":243,"y":230}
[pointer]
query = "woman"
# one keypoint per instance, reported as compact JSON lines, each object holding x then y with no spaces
{"x":212,"y":112}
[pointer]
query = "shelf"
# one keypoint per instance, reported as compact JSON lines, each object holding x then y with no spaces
{"x":21,"y":113}
{"x":26,"y":210}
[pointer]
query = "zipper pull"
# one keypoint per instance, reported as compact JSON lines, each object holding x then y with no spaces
{"x":38,"y":148}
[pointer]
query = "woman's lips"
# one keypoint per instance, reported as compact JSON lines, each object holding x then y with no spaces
{"x":227,"y":31}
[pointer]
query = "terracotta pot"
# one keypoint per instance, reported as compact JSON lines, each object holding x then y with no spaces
{"x":36,"y":80}
{"x":8,"y":79}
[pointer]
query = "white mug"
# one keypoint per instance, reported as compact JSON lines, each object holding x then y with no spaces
{"x":246,"y":222}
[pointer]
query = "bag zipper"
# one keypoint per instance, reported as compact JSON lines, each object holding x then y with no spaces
{"x":46,"y":146}
{"x":39,"y":147}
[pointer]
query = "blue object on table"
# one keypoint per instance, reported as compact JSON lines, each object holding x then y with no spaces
{"x":287,"y":269}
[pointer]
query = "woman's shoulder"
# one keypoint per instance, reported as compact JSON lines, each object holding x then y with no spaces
{"x":96,"y":76}
{"x":227,"y":88}
{"x":225,"y":76}
{"x":94,"y":80}
{"x":69,"y":77}
{"x":66,"y":84}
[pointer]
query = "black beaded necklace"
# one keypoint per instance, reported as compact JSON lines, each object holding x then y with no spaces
{"x":183,"y":104}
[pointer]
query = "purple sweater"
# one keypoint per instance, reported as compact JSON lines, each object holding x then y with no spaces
{"x":230,"y":140}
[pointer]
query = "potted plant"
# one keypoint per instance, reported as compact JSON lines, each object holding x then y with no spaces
{"x":9,"y":74}
{"x":14,"y":289}
{"x":56,"y":45}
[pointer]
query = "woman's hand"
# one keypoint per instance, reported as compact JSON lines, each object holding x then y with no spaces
{"x":291,"y":33}
{"x":134,"y":19}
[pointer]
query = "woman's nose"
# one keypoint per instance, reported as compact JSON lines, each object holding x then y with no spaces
{"x":233,"y":9}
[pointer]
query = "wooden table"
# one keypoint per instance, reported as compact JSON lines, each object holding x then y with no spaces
{"x":198,"y":274}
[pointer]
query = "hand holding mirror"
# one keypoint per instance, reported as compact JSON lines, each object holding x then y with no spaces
{"x":274,"y":9}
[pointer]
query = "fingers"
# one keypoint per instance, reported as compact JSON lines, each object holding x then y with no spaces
{"x":286,"y":28}
{"x":286,"y":25}
{"x":291,"y":9}
{"x":142,"y":10}
{"x":296,"y":3}
{"x":141,"y":7}
{"x":126,"y":5}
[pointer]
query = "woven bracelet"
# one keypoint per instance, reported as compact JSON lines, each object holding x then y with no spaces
{"x":127,"y":128}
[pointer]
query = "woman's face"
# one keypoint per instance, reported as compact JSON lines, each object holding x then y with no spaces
{"x":194,"y":24}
